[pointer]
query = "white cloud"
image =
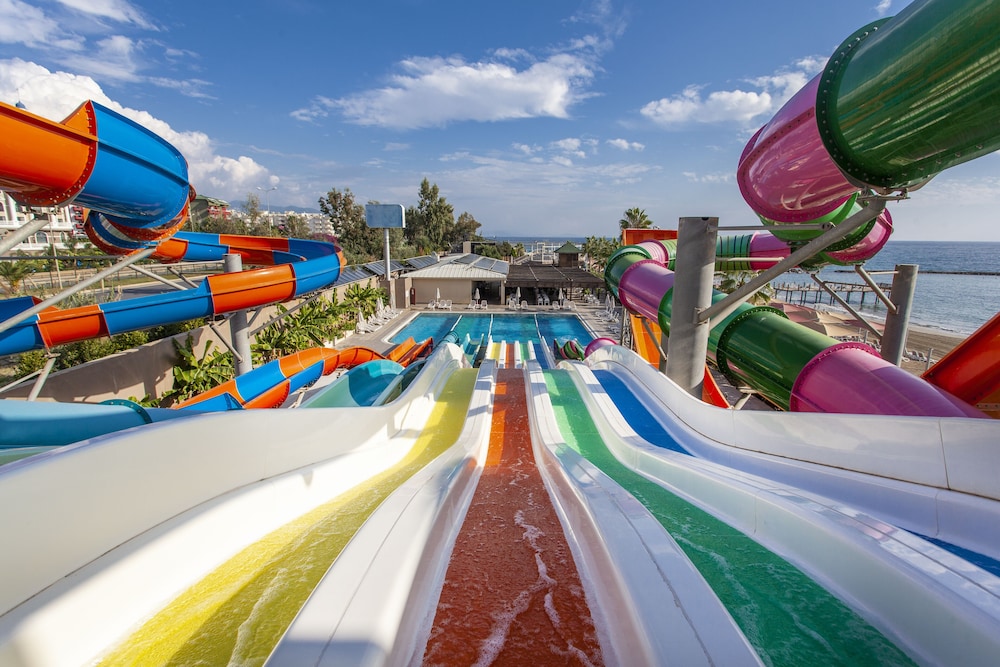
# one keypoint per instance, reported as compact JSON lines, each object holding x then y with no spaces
{"x":28,"y":25}
{"x":54,"y":95}
{"x":114,"y":58}
{"x":625,"y":144}
{"x":741,"y":106}
{"x":431,"y":92}
{"x":718,"y":106}
{"x":116,"y":10}
{"x":722,"y":177}
{"x":882,"y":8}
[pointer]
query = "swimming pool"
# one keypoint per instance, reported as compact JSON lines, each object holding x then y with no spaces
{"x":501,"y":326}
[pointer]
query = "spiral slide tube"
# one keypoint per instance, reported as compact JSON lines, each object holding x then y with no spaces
{"x":793,"y":367}
{"x":136,"y":186}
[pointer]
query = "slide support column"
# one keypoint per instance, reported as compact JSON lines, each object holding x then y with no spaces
{"x":692,"y":293}
{"x":239,"y":328}
{"x":904,"y":284}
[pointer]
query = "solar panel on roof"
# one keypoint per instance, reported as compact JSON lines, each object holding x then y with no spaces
{"x":421,"y":262}
{"x":352,"y":274}
{"x":467,"y":259}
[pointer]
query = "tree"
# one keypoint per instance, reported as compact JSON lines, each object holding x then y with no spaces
{"x":466,"y":229}
{"x":294,"y":226}
{"x":635,"y":218}
{"x":730,"y":281}
{"x":360,"y":242}
{"x":14,"y":273}
{"x":598,"y":250}
{"x":430,"y":225}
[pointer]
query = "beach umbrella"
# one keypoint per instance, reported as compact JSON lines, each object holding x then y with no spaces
{"x":561,"y":297}
{"x":517,"y":295}
{"x":476,"y":297}
{"x":437,"y":294}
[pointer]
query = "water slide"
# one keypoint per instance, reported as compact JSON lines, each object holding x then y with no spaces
{"x":135,"y":186}
{"x":889,"y":563}
{"x":287,"y":504}
{"x":894,"y":106}
{"x":971,"y":371}
{"x":382,"y":491}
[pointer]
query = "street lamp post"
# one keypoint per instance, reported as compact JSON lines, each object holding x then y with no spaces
{"x":267,"y":201}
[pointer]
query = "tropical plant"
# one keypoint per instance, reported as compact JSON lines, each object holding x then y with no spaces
{"x":730,"y":281}
{"x":635,"y":218}
{"x":363,"y":297}
{"x":598,"y":250}
{"x":193,"y":374}
{"x":13,"y":274}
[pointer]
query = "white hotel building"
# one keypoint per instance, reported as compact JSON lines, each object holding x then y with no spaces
{"x":63,"y":223}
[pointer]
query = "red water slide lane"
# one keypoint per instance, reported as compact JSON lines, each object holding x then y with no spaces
{"x":512,"y":594}
{"x":971,"y":371}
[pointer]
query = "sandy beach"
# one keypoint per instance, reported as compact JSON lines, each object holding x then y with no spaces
{"x":928,"y":341}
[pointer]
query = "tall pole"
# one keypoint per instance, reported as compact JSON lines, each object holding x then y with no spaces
{"x":388,"y":273}
{"x":904,"y":284}
{"x":267,"y":201}
{"x":695,"y":269}
{"x":238,"y":325}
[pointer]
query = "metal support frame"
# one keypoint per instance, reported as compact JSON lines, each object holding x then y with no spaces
{"x":43,"y":375}
{"x":662,"y":365}
{"x":861,"y":318}
{"x":159,"y":278}
{"x":75,"y":289}
{"x":875,"y":288}
{"x":722,"y":308}
{"x":21,"y":233}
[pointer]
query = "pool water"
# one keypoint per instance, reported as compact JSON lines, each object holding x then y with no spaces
{"x":502,"y":327}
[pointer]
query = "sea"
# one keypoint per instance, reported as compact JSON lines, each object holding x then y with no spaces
{"x":958,"y":283}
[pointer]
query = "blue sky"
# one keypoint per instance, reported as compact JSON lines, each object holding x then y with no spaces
{"x":542,"y":118}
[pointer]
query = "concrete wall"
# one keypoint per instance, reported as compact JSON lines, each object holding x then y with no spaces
{"x":134,"y":373}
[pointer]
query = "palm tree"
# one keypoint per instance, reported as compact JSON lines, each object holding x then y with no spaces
{"x":730,"y":281}
{"x":14,"y":273}
{"x":635,"y":218}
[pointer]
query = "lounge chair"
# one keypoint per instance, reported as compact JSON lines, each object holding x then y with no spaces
{"x":472,"y":305}
{"x":445,"y":305}
{"x":524,"y":305}
{"x":484,"y":305}
{"x":431,"y":305}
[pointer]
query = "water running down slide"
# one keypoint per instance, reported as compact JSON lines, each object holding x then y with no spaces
{"x":245,"y":484}
{"x":849,"y":545}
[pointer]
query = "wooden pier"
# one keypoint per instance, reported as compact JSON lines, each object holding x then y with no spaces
{"x":811,"y":293}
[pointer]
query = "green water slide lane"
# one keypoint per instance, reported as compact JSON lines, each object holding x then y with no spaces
{"x":788,"y":618}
